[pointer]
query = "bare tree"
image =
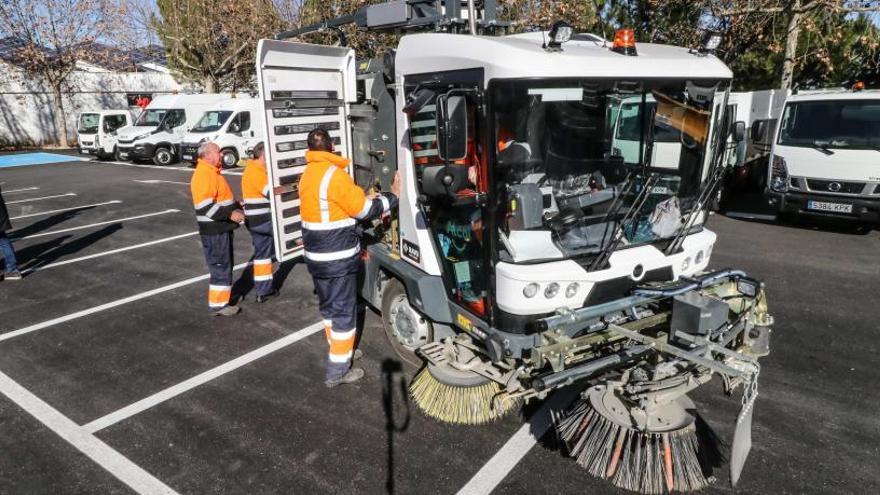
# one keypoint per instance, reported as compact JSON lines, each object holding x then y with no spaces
{"x":213,"y":43}
{"x":52,"y":35}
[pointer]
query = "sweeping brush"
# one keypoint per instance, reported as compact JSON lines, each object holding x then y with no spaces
{"x":466,"y":405}
{"x":640,"y":461}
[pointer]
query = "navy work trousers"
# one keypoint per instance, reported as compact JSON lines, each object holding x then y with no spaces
{"x":264,"y":251}
{"x":337,"y":302}
{"x":218,"y":255}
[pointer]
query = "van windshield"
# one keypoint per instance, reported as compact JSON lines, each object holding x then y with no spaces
{"x":212,"y":121}
{"x":88,"y":123}
{"x":151,"y":117}
{"x":851,"y":124}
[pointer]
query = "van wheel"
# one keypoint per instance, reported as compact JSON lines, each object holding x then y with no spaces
{"x":229,"y":158}
{"x":405,"y":327}
{"x":163,"y":156}
{"x":116,"y":154}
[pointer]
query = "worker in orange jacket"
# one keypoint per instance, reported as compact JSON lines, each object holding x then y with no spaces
{"x":218,"y":215}
{"x":255,"y":194}
{"x":331,"y":204}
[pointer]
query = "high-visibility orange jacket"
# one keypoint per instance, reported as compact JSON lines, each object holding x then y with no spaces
{"x":255,"y":193}
{"x":212,"y":199}
{"x":330,"y":206}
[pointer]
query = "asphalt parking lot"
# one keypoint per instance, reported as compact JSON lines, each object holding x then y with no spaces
{"x":114,"y":378}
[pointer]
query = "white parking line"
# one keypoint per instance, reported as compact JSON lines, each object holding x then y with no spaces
{"x":39,"y":199}
{"x":80,"y":207}
{"x":71,"y":229}
{"x":185,"y":169}
{"x":21,"y":190}
{"x":200,"y":379}
{"x":108,"y":253}
{"x":157,"y":181}
{"x":105,"y":456}
{"x":503,"y":462}
{"x":106,"y":306}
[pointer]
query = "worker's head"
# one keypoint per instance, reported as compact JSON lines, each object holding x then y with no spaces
{"x":210,"y":153}
{"x":320,"y":140}
{"x":259,"y":153}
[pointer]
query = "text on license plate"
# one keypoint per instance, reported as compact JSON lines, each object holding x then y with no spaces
{"x":187,"y":157}
{"x":825,"y":206}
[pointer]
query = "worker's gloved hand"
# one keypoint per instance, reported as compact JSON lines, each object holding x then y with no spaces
{"x":396,"y":184}
{"x":237,"y":216}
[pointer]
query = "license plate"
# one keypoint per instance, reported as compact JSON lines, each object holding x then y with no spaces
{"x":187,"y":157}
{"x":123,"y":155}
{"x":84,"y":151}
{"x":832,"y":207}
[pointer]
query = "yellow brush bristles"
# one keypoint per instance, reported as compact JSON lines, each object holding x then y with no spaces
{"x":471,"y":405}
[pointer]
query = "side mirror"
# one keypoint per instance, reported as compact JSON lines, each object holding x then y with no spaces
{"x":444,"y":180}
{"x":739,"y":131}
{"x":757,"y":131}
{"x":452,"y":127}
{"x":167,"y":126}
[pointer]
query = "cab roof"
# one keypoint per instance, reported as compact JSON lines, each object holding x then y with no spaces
{"x":835,"y":94}
{"x":522,"y":56}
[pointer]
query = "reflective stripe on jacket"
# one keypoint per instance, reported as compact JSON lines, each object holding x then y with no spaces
{"x":212,"y":199}
{"x":330,"y":206}
{"x":255,"y":193}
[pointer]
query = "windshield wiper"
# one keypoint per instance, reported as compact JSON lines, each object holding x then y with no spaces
{"x":823,"y":147}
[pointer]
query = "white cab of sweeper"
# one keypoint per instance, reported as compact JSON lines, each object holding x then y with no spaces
{"x":527,"y":87}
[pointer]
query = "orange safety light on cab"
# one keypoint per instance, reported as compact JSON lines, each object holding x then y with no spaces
{"x":624,"y":42}
{"x":858,"y":86}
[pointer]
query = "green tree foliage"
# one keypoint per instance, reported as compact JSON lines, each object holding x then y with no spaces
{"x":212,"y":42}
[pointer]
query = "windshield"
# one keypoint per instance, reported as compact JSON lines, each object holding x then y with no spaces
{"x":151,"y":117}
{"x":577,"y":157}
{"x":212,"y":121}
{"x":831,"y":124}
{"x":88,"y":123}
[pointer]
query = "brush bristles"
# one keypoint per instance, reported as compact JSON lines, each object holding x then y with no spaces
{"x":458,"y":405}
{"x":633,"y":460}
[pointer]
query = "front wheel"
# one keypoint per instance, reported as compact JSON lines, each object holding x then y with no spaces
{"x":163,"y":156}
{"x":229,"y":158}
{"x":405,"y":327}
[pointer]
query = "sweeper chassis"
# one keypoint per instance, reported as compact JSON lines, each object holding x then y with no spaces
{"x":636,"y":357}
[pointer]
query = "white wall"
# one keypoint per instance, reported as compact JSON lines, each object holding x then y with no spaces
{"x":26,"y":105}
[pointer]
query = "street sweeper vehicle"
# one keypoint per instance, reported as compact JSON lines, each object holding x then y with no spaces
{"x":527,"y":256}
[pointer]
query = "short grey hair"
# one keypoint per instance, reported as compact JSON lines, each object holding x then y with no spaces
{"x":203,"y":148}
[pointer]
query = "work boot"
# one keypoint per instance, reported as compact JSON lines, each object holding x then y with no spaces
{"x":228,"y":311}
{"x":353,"y":375}
{"x":265,"y":297}
{"x":16,"y":275}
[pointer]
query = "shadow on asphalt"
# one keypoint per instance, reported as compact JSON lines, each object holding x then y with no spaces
{"x":47,"y":223}
{"x":394,"y":391}
{"x":40,"y":255}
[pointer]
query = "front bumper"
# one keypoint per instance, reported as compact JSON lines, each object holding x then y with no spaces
{"x":864,"y":209}
{"x":137,"y":151}
{"x":189,"y":152}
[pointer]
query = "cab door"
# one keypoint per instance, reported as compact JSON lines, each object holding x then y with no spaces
{"x":302,"y":87}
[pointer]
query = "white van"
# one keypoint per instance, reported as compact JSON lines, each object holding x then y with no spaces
{"x":628,"y":129}
{"x":96,"y":131}
{"x":826,"y":157}
{"x":157,"y":133}
{"x":234,"y":125}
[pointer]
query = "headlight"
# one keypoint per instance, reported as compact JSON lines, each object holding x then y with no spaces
{"x":551,"y":290}
{"x":572,"y":290}
{"x":699,"y":258}
{"x":143,"y":136}
{"x":202,"y":140}
{"x":97,"y":140}
{"x":686,"y":263}
{"x":530,"y":290}
{"x":778,"y":175}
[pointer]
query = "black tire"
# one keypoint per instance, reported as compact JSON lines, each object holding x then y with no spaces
{"x":116,"y":155}
{"x":394,"y":290}
{"x":229,"y":158}
{"x":163,"y":156}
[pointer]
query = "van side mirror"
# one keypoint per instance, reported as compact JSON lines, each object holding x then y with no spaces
{"x":757,"y":132}
{"x":452,"y":127}
{"x":739,"y":131}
